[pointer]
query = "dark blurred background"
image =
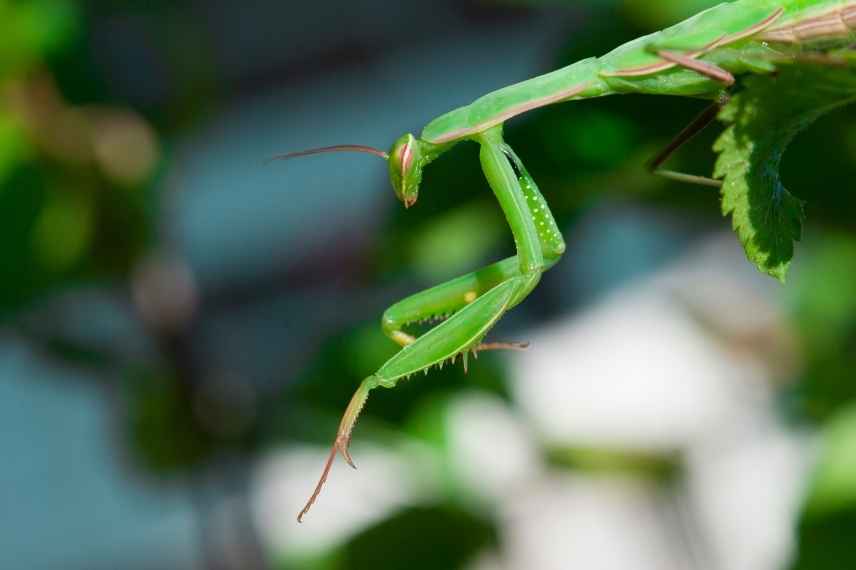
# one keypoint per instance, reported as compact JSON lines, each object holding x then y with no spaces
{"x":182,"y":324}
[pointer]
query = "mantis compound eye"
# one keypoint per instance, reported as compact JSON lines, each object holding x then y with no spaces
{"x":405,"y":169}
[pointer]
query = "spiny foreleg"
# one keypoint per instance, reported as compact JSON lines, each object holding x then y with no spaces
{"x":442,"y":301}
{"x":461,"y":333}
{"x":465,"y":330}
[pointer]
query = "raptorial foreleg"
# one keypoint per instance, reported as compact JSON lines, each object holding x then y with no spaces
{"x":478,"y":300}
{"x":464,"y":331}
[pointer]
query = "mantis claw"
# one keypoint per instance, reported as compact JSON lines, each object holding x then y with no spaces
{"x":342,"y":441}
{"x":341,"y":445}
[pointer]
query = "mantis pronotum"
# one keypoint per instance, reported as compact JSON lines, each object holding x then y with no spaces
{"x":698,"y":57}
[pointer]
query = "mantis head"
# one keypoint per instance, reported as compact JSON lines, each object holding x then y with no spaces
{"x":405,"y":168}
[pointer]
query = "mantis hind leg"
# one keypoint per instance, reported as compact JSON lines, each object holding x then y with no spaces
{"x":697,"y":125}
{"x":709,"y":70}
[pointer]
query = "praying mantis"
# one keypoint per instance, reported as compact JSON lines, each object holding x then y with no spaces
{"x":699,"y":57}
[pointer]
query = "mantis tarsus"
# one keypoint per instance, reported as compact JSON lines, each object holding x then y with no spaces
{"x":699,"y":57}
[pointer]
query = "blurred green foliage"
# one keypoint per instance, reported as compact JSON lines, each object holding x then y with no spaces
{"x":163,"y":434}
{"x":828,"y":523}
{"x":441,"y":536}
{"x":834,"y":487}
{"x":72,"y":177}
{"x":825,"y":310}
{"x":33,"y":31}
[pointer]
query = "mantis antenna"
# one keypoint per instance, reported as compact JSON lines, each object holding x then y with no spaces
{"x":336,"y":148}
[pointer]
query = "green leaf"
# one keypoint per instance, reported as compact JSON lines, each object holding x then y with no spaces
{"x":762,"y":121}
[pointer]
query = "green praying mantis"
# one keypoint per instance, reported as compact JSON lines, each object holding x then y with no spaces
{"x":699,"y":57}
